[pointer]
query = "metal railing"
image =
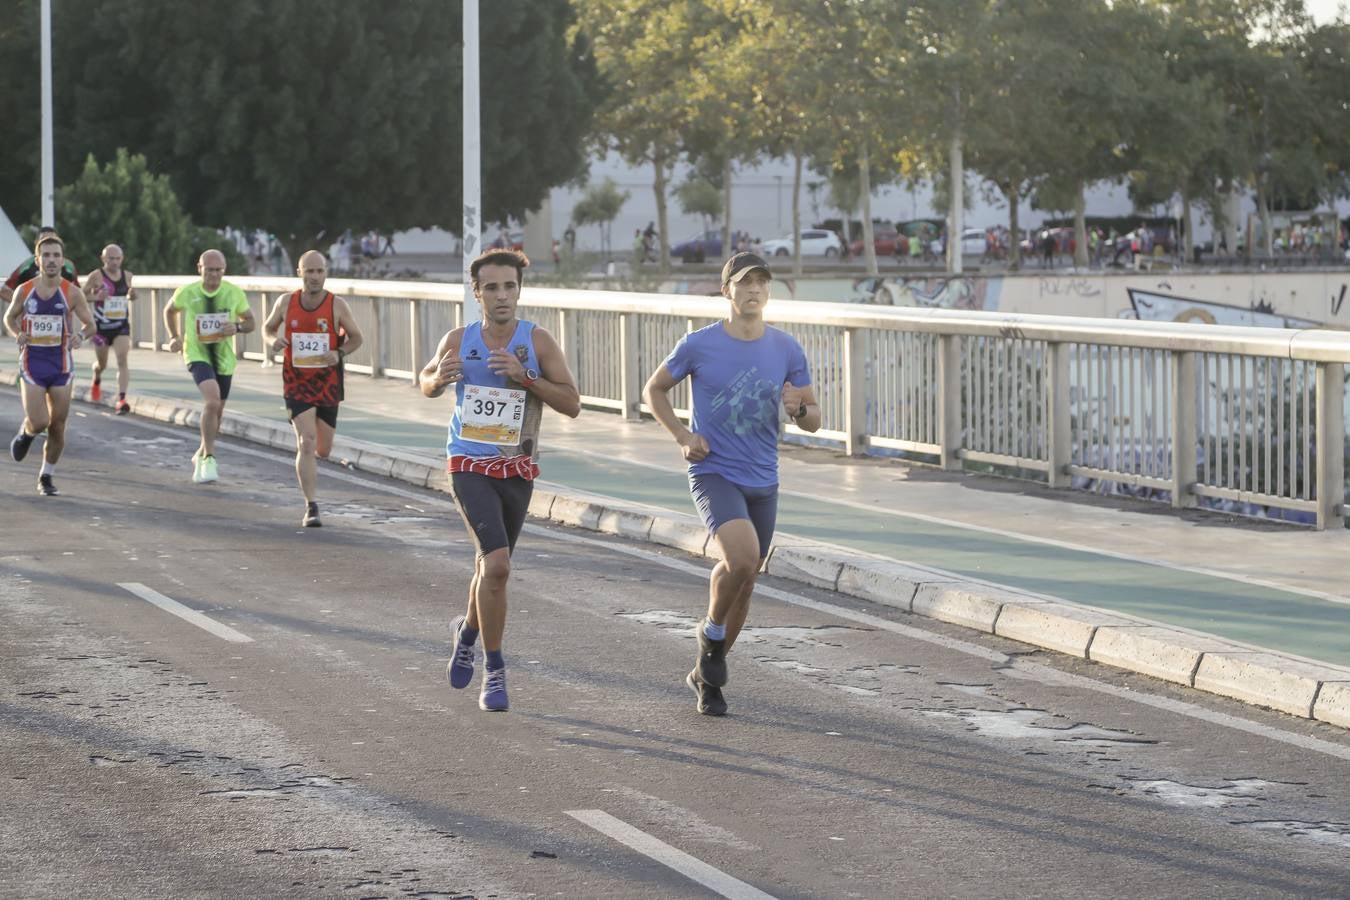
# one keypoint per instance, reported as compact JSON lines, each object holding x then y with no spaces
{"x":1240,"y":415}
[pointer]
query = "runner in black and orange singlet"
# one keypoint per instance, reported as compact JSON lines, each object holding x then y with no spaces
{"x":315,"y":329}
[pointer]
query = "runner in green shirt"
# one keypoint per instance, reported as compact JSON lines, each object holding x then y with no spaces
{"x":202,"y":318}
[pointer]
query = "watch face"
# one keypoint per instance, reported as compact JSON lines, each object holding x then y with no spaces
{"x":531,"y":375}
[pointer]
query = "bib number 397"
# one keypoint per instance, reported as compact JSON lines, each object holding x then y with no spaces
{"x":492,"y":415}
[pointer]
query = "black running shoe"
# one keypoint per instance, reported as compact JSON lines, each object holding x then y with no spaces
{"x":311,"y":519}
{"x":18,"y":448}
{"x":711,"y":667}
{"x":45,"y":486}
{"x":710,"y":702}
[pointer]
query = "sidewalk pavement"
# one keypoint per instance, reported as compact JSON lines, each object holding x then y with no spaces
{"x":1252,"y":610}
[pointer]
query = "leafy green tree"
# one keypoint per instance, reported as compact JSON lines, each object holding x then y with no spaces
{"x":20,"y":151}
{"x":306,"y":117}
{"x":648,"y":53}
{"x":700,"y":197}
{"x":600,"y":206}
{"x":123,"y":202}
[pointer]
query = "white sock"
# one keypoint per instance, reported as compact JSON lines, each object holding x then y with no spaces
{"x":48,"y":468}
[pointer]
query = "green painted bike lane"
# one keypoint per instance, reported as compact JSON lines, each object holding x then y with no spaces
{"x":1253,"y":614}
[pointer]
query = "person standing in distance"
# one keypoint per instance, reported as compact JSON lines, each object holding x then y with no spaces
{"x":505,"y":370}
{"x":742,"y":373}
{"x":314,"y":329}
{"x":39,"y":317}
{"x":201,"y":318}
{"x":109,"y":291}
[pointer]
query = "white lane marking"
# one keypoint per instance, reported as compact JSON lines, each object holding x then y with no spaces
{"x":1180,"y":707}
{"x":169,"y":605}
{"x":1019,"y":536}
{"x":690,"y":867}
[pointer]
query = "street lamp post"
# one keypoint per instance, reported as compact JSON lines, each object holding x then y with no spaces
{"x":473,"y":151}
{"x":48,"y":188}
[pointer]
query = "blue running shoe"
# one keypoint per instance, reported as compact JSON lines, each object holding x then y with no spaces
{"x":460,"y":667}
{"x":493,"y":698}
{"x":18,"y":448}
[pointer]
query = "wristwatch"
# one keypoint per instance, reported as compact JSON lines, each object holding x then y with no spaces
{"x":531,"y":376}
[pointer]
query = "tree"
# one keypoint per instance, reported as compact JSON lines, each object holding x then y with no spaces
{"x":124,"y":203}
{"x":648,"y":53}
{"x":700,"y":197}
{"x":600,"y":206}
{"x":305,"y":117}
{"x":20,"y":152}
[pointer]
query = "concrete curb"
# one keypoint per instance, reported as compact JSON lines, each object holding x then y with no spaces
{"x":1261,"y":678}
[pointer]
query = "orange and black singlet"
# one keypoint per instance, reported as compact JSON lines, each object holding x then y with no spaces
{"x":307,"y":376}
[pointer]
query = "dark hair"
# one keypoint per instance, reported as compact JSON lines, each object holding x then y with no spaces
{"x":49,"y":237}
{"x":514,"y":258}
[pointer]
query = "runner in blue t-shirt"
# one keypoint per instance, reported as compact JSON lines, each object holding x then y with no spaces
{"x":742,"y":372}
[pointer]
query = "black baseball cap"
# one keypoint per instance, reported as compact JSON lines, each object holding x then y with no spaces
{"x":743,"y":262}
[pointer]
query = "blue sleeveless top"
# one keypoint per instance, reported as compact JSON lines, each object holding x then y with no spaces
{"x":474,"y":354}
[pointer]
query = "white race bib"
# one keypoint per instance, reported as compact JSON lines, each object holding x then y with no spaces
{"x":115,"y":307}
{"x":45,"y":331}
{"x":309,"y":350}
{"x":210,"y":326}
{"x":492,"y":415}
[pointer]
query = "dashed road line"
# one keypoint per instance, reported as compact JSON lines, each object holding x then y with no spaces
{"x":169,"y":605}
{"x":690,"y":867}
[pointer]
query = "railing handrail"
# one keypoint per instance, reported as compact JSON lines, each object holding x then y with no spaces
{"x":1315,"y":345}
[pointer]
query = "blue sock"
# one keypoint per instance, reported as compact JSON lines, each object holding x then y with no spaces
{"x":713,"y":631}
{"x":467,"y":635}
{"x":494,"y":660}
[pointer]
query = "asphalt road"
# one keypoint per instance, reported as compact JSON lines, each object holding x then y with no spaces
{"x":312,"y":747}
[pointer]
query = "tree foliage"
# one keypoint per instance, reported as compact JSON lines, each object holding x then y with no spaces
{"x":122,"y":202}
{"x":600,"y":206}
{"x":1042,"y":98}
{"x":306,"y":117}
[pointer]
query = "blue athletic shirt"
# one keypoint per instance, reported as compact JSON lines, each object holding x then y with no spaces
{"x":737,"y":387}
{"x":474,"y":354}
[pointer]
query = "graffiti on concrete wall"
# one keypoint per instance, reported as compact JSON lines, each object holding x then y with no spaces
{"x":940,"y":292}
{"x":1153,"y":306}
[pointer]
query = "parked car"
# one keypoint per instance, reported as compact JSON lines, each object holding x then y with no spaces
{"x":883,"y":239}
{"x":972,"y":242}
{"x":815,"y":242}
{"x":699,"y":248}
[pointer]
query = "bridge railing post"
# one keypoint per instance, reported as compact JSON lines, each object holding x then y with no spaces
{"x":415,"y":336}
{"x":1330,"y":445}
{"x":1059,"y":427}
{"x":377,"y":322}
{"x":630,"y":379}
{"x":156,"y":320}
{"x":949,"y":400}
{"x":855,"y":391}
{"x":1184,"y":425}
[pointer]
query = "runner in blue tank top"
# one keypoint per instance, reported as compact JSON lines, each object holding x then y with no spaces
{"x":743,"y":374}
{"x":505,"y":370}
{"x":40,"y":316}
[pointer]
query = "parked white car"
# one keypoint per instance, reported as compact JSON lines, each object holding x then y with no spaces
{"x":815,"y":242}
